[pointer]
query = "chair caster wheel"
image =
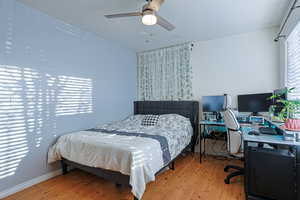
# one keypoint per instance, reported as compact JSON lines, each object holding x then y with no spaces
{"x":118,"y":185}
{"x":227,"y":181}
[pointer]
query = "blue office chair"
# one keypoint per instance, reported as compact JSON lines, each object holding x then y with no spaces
{"x":234,"y":143}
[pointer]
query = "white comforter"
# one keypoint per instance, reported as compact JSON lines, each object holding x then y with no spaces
{"x":138,"y":157}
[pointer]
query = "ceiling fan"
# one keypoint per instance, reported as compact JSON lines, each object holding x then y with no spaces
{"x":149,"y":15}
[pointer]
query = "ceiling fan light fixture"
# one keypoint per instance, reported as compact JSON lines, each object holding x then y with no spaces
{"x":149,"y":18}
{"x":147,"y":15}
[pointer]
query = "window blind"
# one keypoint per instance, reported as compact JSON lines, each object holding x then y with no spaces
{"x":293,"y":63}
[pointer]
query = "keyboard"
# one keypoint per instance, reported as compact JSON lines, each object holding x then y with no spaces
{"x":267,"y":131}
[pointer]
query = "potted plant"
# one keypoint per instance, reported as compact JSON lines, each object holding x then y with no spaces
{"x":290,"y":110}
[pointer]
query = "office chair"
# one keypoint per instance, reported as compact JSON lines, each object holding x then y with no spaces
{"x":234,"y":143}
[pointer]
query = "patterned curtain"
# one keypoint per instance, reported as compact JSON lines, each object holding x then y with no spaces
{"x":165,"y":74}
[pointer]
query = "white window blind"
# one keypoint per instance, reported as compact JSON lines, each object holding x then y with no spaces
{"x":293,"y":63}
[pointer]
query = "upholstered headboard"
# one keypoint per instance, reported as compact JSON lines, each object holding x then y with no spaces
{"x":188,"y":109}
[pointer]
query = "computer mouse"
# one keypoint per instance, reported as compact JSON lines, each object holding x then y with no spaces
{"x":254,"y":133}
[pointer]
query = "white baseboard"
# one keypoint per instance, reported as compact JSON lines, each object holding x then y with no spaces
{"x":29,"y":183}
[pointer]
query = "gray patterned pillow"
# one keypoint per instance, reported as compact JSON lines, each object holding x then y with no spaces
{"x":150,"y":120}
{"x":173,"y":121}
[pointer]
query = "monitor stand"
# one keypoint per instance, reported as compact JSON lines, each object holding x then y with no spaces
{"x":254,"y":114}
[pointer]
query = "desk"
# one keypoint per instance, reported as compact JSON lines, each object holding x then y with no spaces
{"x":203,"y":124}
{"x":272,"y":166}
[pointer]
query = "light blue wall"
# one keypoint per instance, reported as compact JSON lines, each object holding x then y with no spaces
{"x":37,"y":55}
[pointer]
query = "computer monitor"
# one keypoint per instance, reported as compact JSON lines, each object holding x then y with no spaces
{"x":213,"y":103}
{"x":254,"y":103}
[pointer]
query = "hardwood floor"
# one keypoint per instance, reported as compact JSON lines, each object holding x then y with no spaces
{"x":190,"y":181}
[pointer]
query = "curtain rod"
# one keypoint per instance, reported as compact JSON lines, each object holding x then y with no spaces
{"x":191,"y":43}
{"x":279,"y":35}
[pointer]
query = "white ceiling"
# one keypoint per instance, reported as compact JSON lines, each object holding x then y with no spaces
{"x":195,"y":20}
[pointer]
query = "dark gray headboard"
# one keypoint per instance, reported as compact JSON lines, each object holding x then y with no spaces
{"x":189,"y":109}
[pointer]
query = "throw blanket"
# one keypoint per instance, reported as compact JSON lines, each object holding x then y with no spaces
{"x":161,"y":139}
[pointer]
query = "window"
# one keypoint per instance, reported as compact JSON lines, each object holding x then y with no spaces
{"x":293,"y":62}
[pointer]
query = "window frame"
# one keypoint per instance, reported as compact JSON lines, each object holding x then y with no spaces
{"x":285,"y":46}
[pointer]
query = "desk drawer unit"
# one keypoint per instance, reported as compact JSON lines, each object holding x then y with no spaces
{"x":271,"y":174}
{"x":298,"y":173}
{"x":298,"y":181}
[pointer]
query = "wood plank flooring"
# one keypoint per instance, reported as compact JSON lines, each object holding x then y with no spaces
{"x":190,"y":181}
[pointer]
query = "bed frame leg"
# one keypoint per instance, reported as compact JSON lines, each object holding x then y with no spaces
{"x":172,"y":165}
{"x":64,"y":167}
{"x":193,"y":149}
{"x":118,"y":185}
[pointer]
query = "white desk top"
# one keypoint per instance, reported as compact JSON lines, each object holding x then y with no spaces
{"x":274,"y":139}
{"x":246,"y":128}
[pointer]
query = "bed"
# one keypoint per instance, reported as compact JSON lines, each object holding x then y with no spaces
{"x":129,"y":155}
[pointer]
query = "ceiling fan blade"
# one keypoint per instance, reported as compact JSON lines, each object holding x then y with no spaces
{"x":133,"y":14}
{"x":164,"y":23}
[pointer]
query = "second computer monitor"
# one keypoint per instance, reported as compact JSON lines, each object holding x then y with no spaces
{"x":254,"y":102}
{"x":213,"y":103}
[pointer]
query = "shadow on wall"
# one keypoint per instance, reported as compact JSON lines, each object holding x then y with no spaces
{"x":30,"y":102}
